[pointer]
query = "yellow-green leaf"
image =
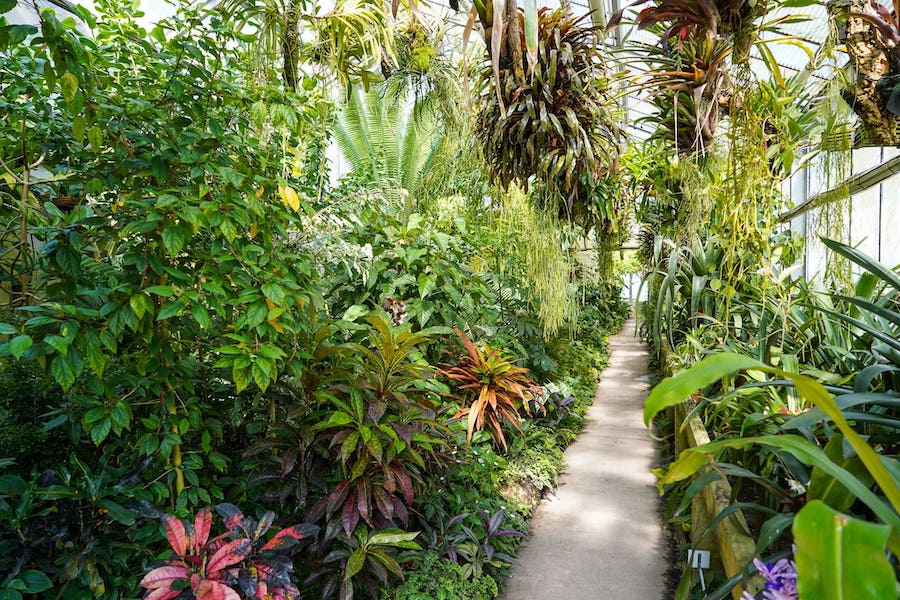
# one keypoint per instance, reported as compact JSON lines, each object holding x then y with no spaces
{"x":69,"y":85}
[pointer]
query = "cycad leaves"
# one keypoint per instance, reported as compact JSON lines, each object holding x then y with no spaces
{"x":389,"y":138}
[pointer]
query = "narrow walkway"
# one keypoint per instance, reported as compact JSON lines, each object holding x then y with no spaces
{"x":599,"y":537}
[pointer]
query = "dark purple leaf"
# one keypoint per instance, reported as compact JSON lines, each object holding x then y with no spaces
{"x":247,"y":583}
{"x":276,"y":571}
{"x":456,"y":519}
{"x":337,"y":496}
{"x":350,"y":515}
{"x":510,"y":532}
{"x":494,"y":523}
{"x":400,"y":510}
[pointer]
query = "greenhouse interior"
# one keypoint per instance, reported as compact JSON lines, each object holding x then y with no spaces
{"x":425,"y":300}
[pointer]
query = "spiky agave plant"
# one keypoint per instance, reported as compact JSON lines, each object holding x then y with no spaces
{"x":558,"y":126}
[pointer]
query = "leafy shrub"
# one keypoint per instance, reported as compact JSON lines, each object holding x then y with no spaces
{"x":483,"y":544}
{"x":25,"y":395}
{"x":238,"y":563}
{"x":494,"y":388}
{"x":436,"y":578}
{"x":538,"y":459}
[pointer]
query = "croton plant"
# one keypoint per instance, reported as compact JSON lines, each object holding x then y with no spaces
{"x":239,"y":563}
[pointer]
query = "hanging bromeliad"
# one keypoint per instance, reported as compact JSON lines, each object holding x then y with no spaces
{"x":699,"y":40}
{"x":547,"y":121}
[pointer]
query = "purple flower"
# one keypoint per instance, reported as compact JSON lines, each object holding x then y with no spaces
{"x":781,"y":580}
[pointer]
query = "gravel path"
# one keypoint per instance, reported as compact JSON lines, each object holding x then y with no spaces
{"x":599,"y":537}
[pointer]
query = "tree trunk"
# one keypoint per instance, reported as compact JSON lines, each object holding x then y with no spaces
{"x":290,"y":45}
{"x":871,"y":60}
{"x":514,"y":40}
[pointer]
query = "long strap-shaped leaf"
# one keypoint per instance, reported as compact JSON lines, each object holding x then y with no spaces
{"x":531,"y":32}
{"x":693,"y":459}
{"x":496,"y":45}
{"x":674,"y":390}
{"x":889,"y":276}
{"x":465,"y":67}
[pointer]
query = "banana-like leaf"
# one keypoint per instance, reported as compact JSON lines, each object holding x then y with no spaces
{"x":840,"y":557}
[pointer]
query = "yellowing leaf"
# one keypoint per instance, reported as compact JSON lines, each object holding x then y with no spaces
{"x":254,"y":229}
{"x":289,"y":196}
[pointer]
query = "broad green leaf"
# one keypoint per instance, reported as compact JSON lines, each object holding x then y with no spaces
{"x":140,"y":304}
{"x":174,"y":239}
{"x":7,"y":329}
{"x":6,"y":6}
{"x":840,"y":557}
{"x":391,"y":538}
{"x":170,"y":309}
{"x":78,"y":128}
{"x":355,"y":562}
{"x":117,"y":512}
{"x":354,"y":312}
{"x":674,"y":390}
{"x":257,"y":313}
{"x":160,"y":290}
{"x":261,"y":375}
{"x":826,"y":488}
{"x":94,"y":415}
{"x":19,"y":344}
{"x":95,"y":138}
{"x":60,"y":344}
{"x":68,"y":83}
{"x":35,"y":581}
{"x":62,"y":371}
{"x":100,"y":430}
{"x":273,"y":292}
{"x":241,"y":377}
{"x":201,"y":315}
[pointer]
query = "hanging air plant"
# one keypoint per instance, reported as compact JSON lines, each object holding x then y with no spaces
{"x":557,"y":125}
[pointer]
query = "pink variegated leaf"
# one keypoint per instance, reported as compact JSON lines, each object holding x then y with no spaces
{"x":213,"y":590}
{"x":202,"y":525}
{"x":229,"y":554}
{"x":290,"y":536}
{"x":175,"y":534}
{"x":164,"y":577}
{"x":162,"y":594}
